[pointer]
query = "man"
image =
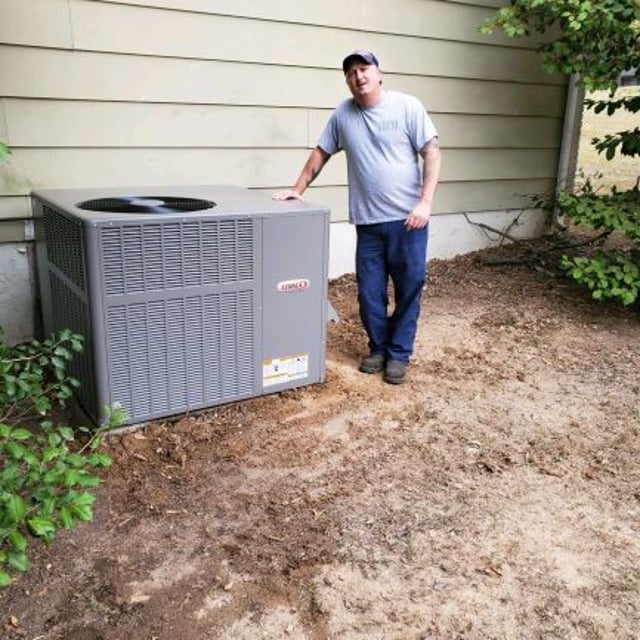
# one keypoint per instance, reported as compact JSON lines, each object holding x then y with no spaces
{"x":390,"y":203}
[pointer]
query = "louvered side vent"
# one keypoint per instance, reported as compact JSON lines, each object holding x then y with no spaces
{"x":65,"y":248}
{"x":153,"y":257}
{"x":67,"y":282}
{"x":71,"y":312}
{"x":180,"y":314}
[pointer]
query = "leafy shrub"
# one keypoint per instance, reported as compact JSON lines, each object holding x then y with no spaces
{"x":613,"y":274}
{"x":609,"y":275}
{"x":596,"y":41}
{"x":46,"y":475}
{"x":33,"y":375}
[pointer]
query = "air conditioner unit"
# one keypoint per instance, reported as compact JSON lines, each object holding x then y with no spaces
{"x":188,"y":297}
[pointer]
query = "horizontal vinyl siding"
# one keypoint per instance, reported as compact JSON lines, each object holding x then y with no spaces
{"x":246,"y":167}
{"x":48,"y":73}
{"x":106,"y":27}
{"x":60,"y":123}
{"x":421,"y":18}
{"x":43,"y":23}
{"x":14,"y":207}
{"x":464,"y":196}
{"x":12,"y":230}
{"x":114,"y":28}
{"x":49,"y":22}
{"x":467,"y":196}
{"x":154,"y":92}
{"x":49,"y":123}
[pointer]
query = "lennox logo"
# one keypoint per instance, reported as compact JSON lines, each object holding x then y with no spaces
{"x":288,"y":286}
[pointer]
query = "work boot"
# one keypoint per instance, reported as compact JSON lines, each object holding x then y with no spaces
{"x":395,"y":372}
{"x":372,"y":363}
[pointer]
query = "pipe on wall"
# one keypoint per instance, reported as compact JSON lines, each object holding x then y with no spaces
{"x":568,"y":159}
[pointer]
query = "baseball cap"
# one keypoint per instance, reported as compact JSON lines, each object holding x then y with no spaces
{"x":360,"y":54}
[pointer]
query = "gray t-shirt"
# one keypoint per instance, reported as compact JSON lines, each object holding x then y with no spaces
{"x":382,"y":144}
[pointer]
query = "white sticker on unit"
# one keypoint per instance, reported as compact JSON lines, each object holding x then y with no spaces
{"x":286,"y":369}
{"x":289,"y":286}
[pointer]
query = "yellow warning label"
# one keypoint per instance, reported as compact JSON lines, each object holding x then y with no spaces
{"x":285,"y":369}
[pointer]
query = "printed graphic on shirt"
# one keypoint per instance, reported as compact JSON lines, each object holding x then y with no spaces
{"x":388,"y":125}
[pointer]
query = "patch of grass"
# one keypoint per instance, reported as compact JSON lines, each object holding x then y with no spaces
{"x":621,"y":171}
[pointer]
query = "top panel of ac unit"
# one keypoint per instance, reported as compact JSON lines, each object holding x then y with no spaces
{"x":96,"y":206}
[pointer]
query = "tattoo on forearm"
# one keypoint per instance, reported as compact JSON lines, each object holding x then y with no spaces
{"x":314,"y":166}
{"x":314,"y":174}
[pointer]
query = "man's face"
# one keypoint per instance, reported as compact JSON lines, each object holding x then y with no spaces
{"x":363,"y":79}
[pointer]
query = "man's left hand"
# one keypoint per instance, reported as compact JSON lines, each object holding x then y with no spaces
{"x":419,"y":217}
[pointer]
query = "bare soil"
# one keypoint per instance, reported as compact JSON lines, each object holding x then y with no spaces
{"x":495,"y":495}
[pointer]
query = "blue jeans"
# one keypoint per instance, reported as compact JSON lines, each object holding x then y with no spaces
{"x":388,"y":250}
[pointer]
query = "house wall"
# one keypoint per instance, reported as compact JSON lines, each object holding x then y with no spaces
{"x":152,"y":92}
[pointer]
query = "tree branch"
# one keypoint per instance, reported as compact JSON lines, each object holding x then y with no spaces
{"x":486,"y":227}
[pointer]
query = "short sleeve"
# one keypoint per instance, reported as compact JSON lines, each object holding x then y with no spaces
{"x":329,"y":140}
{"x":421,"y":127}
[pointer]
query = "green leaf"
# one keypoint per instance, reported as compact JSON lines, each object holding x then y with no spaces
{"x":58,"y":363}
{"x":21,"y":434}
{"x":88,"y":480}
{"x":66,"y":519}
{"x":18,"y":561}
{"x":5,"y":579}
{"x":41,"y":527}
{"x":41,"y":405}
{"x":66,"y":433}
{"x":99,"y":460}
{"x":15,"y":450}
{"x":24,"y":386}
{"x":83,"y":499}
{"x":50,"y":454}
{"x":9,"y":474}
{"x":53,"y":477}
{"x":82,"y":512}
{"x":47,"y":507}
{"x":17,"y":540}
{"x":15,"y":508}
{"x":62,"y":352}
{"x":75,"y":460}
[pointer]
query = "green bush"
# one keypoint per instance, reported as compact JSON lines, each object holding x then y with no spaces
{"x":596,"y":41}
{"x":613,"y":274}
{"x":46,"y":475}
{"x":609,"y":275}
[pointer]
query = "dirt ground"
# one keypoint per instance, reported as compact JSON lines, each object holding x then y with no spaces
{"x":496,"y":495}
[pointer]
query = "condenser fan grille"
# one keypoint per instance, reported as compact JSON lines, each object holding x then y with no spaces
{"x":146,"y":204}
